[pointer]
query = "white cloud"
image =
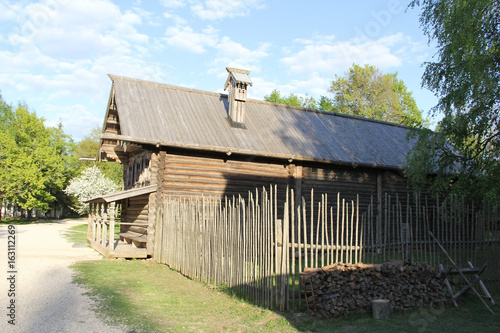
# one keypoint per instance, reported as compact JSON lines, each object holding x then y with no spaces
{"x":185,"y":38}
{"x":314,"y":86}
{"x":325,"y":56}
{"x":233,"y":54}
{"x":219,"y":9}
{"x":67,"y":36}
{"x":78,"y":29}
{"x":262,"y":87}
{"x":60,"y":52}
{"x":151,"y":18}
{"x":8,"y":11}
{"x":178,"y":20}
{"x":173,"y":3}
{"x":76,"y":119}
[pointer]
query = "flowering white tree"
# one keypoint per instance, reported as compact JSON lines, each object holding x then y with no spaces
{"x":91,"y":184}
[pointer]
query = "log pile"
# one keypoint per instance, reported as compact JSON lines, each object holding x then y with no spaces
{"x":338,"y":289}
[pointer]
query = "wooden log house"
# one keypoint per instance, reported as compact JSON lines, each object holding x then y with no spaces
{"x":184,"y":142}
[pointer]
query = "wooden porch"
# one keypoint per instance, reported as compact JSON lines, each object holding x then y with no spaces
{"x":101,"y":232}
{"x":112,"y":238}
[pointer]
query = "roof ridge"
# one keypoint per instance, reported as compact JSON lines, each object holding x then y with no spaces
{"x":166,"y":85}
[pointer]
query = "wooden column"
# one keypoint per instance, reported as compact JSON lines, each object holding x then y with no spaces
{"x":151,"y":229}
{"x":156,"y":199}
{"x":111,"y":244}
{"x":90,"y":223}
{"x":98,"y":224}
{"x":94,"y":219}
{"x":103,"y":224}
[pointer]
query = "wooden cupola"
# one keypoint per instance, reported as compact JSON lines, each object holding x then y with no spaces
{"x":238,"y":82}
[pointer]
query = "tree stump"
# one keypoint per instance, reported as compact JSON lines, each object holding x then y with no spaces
{"x":381,"y":309}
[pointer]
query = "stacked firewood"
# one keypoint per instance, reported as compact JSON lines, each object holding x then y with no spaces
{"x":339,"y":289}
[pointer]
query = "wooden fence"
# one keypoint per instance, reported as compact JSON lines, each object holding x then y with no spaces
{"x":256,"y":247}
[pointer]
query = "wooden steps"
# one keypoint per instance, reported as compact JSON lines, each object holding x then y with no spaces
{"x":125,"y":250}
{"x":121,"y":250}
{"x":136,"y":239}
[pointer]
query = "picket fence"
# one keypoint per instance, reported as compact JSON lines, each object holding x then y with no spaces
{"x":255,"y":247}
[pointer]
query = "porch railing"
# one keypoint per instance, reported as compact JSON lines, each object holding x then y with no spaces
{"x":101,"y":227}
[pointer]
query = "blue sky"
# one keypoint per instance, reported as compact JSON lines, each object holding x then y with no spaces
{"x":55,"y":54}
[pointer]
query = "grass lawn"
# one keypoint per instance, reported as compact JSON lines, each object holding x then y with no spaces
{"x":77,"y":234}
{"x":150,"y":297}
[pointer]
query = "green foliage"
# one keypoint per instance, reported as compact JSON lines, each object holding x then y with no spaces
{"x":35,"y":159}
{"x":465,"y":78}
{"x":292,"y":99}
{"x":6,"y":143}
{"x":326,"y":104}
{"x":364,"y":92}
{"x":38,"y":161}
{"x":367,"y":92}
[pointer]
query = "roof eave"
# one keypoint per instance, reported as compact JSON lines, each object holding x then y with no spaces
{"x":229,"y":151}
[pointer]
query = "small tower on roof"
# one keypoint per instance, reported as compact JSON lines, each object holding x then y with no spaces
{"x":238,"y":82}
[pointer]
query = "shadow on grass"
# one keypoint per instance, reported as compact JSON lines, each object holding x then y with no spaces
{"x":151,"y":297}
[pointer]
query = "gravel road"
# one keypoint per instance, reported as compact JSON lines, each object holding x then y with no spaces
{"x":45,"y":299}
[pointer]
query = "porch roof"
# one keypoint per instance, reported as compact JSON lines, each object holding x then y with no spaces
{"x":117,"y":196}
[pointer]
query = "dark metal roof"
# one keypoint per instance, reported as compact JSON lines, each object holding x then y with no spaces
{"x":169,"y":115}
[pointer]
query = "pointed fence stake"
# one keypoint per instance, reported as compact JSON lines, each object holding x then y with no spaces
{"x":460,"y":272}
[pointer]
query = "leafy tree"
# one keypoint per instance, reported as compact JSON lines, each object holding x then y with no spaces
{"x":466,"y":79}
{"x":90,"y":184}
{"x":364,"y":92}
{"x":326,"y":104}
{"x":6,"y":142}
{"x":367,"y":92}
{"x":34,"y":159}
{"x":292,"y":99}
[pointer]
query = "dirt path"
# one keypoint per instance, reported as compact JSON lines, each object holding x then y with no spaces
{"x":45,"y":298}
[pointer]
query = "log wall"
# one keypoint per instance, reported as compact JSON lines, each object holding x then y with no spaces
{"x":135,"y":210}
{"x":348,"y":182}
{"x":188,"y":175}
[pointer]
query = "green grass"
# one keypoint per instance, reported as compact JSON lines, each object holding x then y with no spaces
{"x":150,"y":297}
{"x":77,"y":233}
